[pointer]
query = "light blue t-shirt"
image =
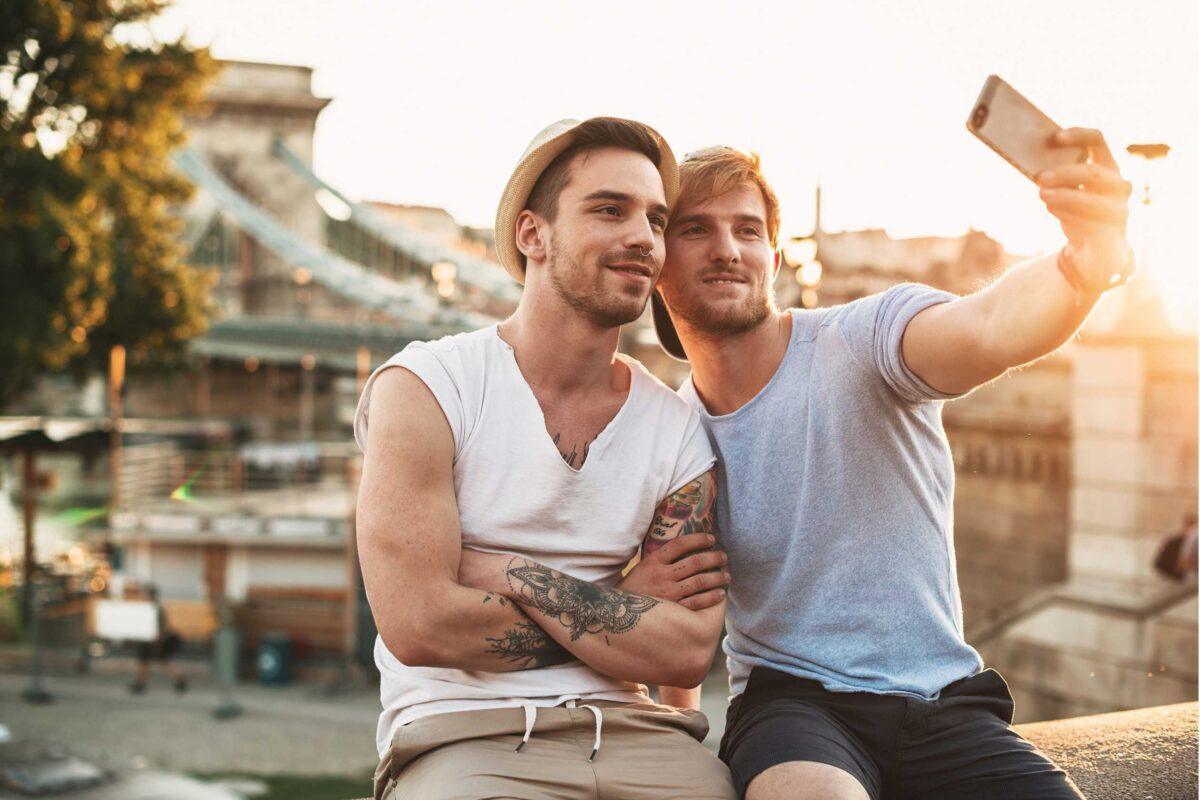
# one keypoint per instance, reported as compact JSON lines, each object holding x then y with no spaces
{"x":836,"y":510}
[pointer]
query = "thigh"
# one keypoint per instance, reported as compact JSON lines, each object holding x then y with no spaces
{"x":786,"y":730}
{"x":653,"y":753}
{"x":490,"y":769}
{"x":981,"y":759}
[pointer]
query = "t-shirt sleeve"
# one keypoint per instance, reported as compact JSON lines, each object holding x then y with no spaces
{"x":432,"y":368}
{"x":695,"y":455}
{"x":874,"y":331}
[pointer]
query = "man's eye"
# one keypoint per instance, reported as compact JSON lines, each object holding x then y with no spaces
{"x":612,"y":211}
{"x":750,"y":231}
{"x":658,"y":222}
{"x":693,"y":229}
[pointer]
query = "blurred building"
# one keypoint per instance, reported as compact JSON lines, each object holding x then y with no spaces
{"x":313,"y":290}
{"x":1069,"y":472}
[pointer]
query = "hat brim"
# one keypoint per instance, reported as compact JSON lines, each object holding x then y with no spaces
{"x":553,"y":141}
{"x":668,"y":338}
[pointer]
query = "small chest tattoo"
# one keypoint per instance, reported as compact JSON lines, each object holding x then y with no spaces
{"x":575,"y":454}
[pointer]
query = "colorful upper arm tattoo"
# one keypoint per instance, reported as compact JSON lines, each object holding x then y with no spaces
{"x":692,"y":509}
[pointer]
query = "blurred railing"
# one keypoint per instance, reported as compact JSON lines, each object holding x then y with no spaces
{"x":286,"y":489}
{"x":163,"y":471}
{"x":1148,"y":608}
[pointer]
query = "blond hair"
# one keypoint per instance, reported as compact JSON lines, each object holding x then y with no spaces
{"x":712,"y":172}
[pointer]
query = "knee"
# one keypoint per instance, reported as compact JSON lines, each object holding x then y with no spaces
{"x":805,"y":780}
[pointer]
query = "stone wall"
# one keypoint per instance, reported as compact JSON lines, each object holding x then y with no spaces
{"x":1115,"y":635}
{"x":1012,"y":455}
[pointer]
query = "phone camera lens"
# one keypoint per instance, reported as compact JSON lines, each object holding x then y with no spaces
{"x":979,"y":116}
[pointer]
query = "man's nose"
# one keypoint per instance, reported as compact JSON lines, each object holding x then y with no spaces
{"x":639,"y":234}
{"x":724,"y":248}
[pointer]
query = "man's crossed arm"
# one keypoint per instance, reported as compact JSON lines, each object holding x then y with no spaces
{"x":619,"y":631}
{"x":410,"y":548}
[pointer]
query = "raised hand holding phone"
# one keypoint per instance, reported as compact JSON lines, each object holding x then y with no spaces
{"x":1091,"y":203}
{"x":1079,"y":182}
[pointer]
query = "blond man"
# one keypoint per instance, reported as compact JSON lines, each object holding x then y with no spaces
{"x":845,"y":643}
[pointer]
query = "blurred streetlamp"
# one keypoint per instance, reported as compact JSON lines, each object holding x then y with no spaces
{"x":800,"y":253}
{"x":800,"y":250}
{"x":308,"y":363}
{"x":302,"y":278}
{"x":116,"y":409}
{"x":444,"y":273}
{"x":1148,"y":153}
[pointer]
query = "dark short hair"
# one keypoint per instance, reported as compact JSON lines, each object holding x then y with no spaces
{"x":593,"y":134}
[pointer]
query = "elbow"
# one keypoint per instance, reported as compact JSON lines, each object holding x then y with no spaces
{"x":689,"y":664}
{"x":684,"y":667}
{"x":410,"y":647}
{"x":688,"y":667}
{"x":693,"y":670}
{"x":414,"y":641}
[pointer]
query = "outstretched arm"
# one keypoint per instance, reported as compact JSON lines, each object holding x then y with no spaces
{"x":1032,"y":309}
{"x":625,"y":634}
{"x":409,"y":544}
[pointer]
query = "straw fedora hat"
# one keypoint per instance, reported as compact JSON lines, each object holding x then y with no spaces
{"x":545,"y":147}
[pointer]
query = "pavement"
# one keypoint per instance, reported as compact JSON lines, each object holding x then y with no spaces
{"x":301,"y":729}
{"x":296,"y":730}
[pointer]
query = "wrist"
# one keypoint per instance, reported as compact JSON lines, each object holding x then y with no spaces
{"x":1089,"y":288}
{"x":502,"y":577}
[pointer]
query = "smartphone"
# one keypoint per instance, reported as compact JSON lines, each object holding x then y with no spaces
{"x":1014,"y":127}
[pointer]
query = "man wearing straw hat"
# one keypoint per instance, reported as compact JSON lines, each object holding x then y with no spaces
{"x":846,"y":654}
{"x":510,"y":475}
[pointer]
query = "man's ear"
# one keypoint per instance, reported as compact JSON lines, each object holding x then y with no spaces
{"x":530,"y":239}
{"x":778,"y":263}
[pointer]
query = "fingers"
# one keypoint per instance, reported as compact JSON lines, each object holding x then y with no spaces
{"x":703,"y":582}
{"x":1082,"y":206}
{"x":1090,"y":138}
{"x":699,"y":602}
{"x":1097,"y":179}
{"x":701,"y":562}
{"x":680,"y":546}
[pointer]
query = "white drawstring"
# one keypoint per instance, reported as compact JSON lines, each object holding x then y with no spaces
{"x":531,"y":717}
{"x":599,"y":724}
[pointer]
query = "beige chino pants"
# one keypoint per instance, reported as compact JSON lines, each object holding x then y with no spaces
{"x":646,"y":752}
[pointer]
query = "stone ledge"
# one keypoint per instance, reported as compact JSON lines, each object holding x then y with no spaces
{"x":1141,"y":754}
{"x":1145,"y":754}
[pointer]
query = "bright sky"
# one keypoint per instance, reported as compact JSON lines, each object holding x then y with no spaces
{"x":435,"y":101}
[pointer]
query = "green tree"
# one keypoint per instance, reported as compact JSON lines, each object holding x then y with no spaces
{"x":92,"y":104}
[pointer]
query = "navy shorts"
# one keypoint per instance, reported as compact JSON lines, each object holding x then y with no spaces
{"x":960,"y":745}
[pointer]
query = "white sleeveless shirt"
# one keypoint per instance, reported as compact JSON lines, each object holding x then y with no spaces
{"x":516,"y":494}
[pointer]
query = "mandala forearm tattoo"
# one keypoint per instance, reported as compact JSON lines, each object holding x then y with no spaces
{"x":579,"y":606}
{"x":528,"y":645}
{"x":692,"y":509}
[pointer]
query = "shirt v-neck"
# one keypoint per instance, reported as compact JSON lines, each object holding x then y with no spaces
{"x":606,"y":433}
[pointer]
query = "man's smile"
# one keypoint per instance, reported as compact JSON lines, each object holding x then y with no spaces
{"x":723,"y":279}
{"x":637,"y":272}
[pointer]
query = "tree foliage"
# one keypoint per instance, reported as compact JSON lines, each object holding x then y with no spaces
{"x":92,"y":104}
